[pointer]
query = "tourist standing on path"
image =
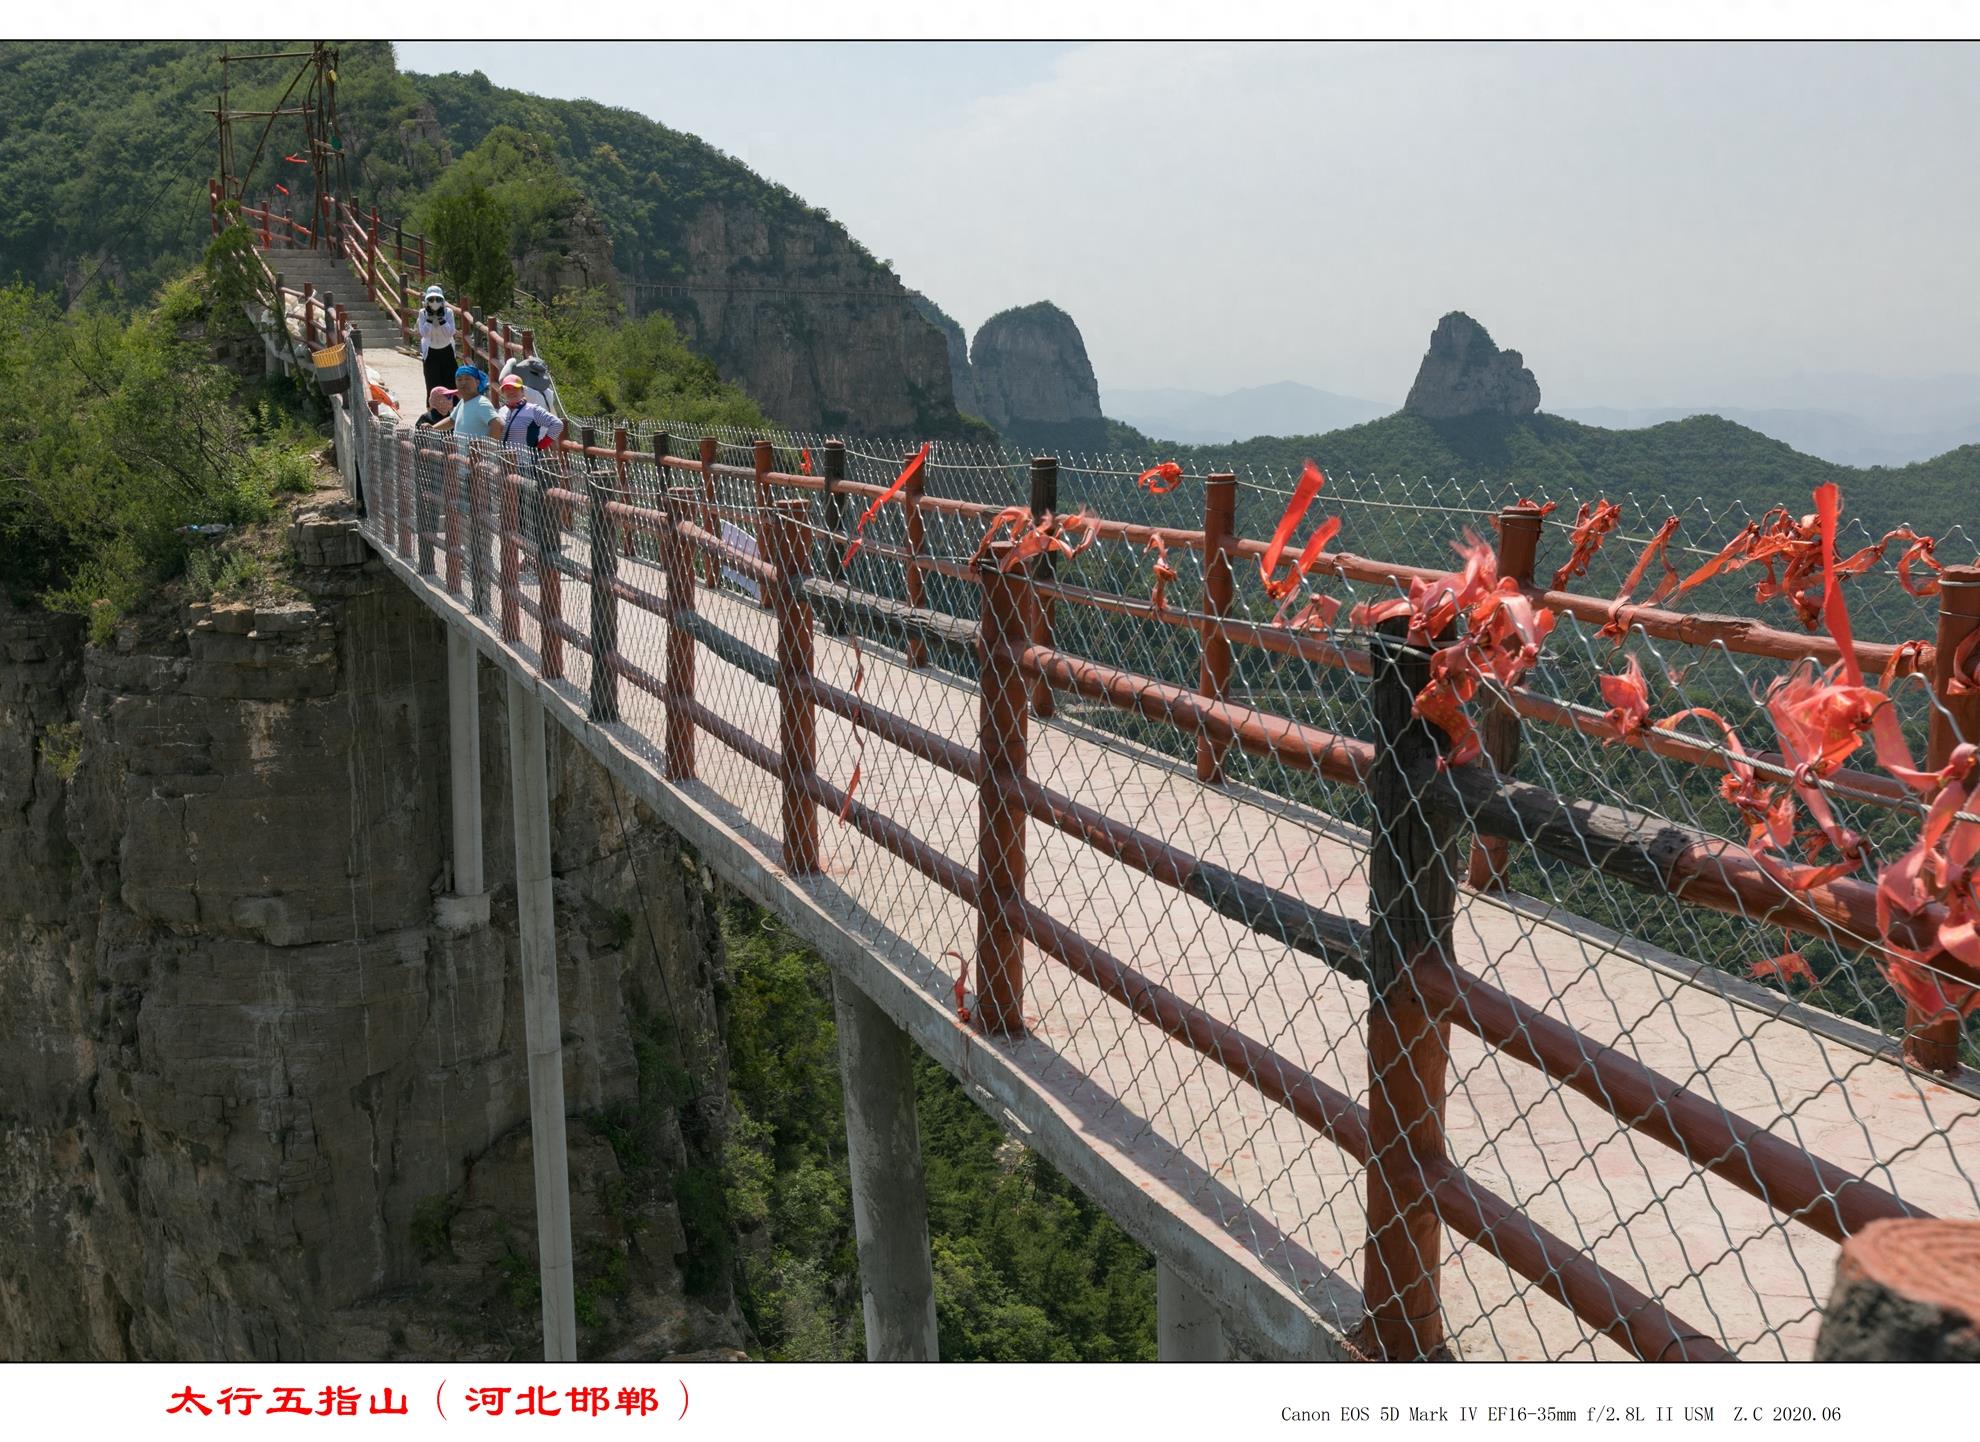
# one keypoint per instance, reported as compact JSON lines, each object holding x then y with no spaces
{"x":473,"y":417}
{"x":436,"y":337}
{"x":524,"y":425}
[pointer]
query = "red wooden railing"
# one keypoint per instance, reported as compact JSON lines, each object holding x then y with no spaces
{"x":1423,"y":815}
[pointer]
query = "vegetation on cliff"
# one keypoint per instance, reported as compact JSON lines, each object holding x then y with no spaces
{"x":1026,"y":1268}
{"x":122,"y":432}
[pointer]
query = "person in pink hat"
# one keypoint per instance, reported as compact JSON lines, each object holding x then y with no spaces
{"x":439,"y":405}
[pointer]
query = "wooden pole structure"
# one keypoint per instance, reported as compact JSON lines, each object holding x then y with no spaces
{"x":604,"y":600}
{"x":1412,"y":900}
{"x":681,"y":507}
{"x":511,"y":524}
{"x":1519,"y":545}
{"x":1001,"y":725}
{"x":622,"y":468}
{"x":834,"y":465}
{"x":783,"y":526}
{"x":1044,"y":502}
{"x":916,"y":649}
{"x":711,"y":522}
{"x":1906,"y":1291}
{"x":1931,"y":1040}
{"x":1219,"y":591}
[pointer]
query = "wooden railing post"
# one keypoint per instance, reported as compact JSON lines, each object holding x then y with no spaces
{"x":510,"y":524}
{"x":710,"y":521}
{"x":408,"y":482}
{"x":371,"y":260}
{"x":1412,"y":899}
{"x":421,"y":498}
{"x":604,"y":601}
{"x":622,"y":467}
{"x":1044,"y":501}
{"x":680,"y":506}
{"x":1002,"y":724}
{"x":309,"y":312}
{"x":549,"y":577}
{"x":916,"y":649}
{"x":834,"y":462}
{"x":478,"y":537}
{"x":1931,"y":1041}
{"x":663,"y":446}
{"x":1219,"y":591}
{"x":399,"y":245}
{"x":422,"y":263}
{"x":1519,"y":544}
{"x":763,"y":459}
{"x":450,"y":497}
{"x":784,"y":527}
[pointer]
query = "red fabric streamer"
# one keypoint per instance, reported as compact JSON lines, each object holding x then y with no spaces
{"x":281,"y":187}
{"x":804,"y":462}
{"x":1165,"y":573}
{"x":1591,"y":528}
{"x":1790,"y":965}
{"x":1280,"y":587}
{"x":1160,"y":480}
{"x":908,"y":473}
{"x":1628,"y":696}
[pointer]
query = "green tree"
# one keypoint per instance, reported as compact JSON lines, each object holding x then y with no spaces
{"x":470,"y":229}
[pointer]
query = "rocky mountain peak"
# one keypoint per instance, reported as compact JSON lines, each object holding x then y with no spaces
{"x":1034,"y":381}
{"x":1465,"y":374}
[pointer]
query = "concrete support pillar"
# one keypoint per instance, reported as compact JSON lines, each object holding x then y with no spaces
{"x":1187,"y":1329}
{"x":542,"y":1023}
{"x":890,"y":1203}
{"x":468,"y":906}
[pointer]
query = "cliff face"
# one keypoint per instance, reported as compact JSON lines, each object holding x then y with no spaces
{"x":254,"y":1103}
{"x":1465,"y":374}
{"x":1034,"y":380}
{"x":820,"y":339}
{"x":961,"y":380}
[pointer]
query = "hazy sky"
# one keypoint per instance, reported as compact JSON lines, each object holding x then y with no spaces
{"x":1648,"y":224}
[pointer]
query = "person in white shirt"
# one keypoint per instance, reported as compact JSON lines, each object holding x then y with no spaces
{"x":523,"y":425}
{"x":436,"y":338}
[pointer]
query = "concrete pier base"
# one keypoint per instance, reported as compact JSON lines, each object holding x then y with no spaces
{"x":1186,"y":1327}
{"x":890,"y":1203}
{"x":542,"y":1022}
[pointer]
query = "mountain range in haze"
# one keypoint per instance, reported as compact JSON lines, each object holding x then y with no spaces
{"x":1853,"y":420}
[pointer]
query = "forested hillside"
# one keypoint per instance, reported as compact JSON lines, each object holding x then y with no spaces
{"x":1703,"y":458}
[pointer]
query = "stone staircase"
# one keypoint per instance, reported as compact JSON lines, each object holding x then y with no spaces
{"x":325,"y":273}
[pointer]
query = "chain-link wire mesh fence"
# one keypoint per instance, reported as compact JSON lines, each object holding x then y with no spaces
{"x":1585,"y":1039}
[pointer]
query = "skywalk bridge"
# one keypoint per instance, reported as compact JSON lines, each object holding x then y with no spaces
{"x":1379,"y":1057}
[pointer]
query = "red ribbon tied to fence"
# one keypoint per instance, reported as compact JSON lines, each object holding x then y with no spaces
{"x":908,"y":472}
{"x":295,"y":160}
{"x":1591,"y":528}
{"x":1281,"y":587}
{"x":804,"y":462}
{"x":1160,"y":480}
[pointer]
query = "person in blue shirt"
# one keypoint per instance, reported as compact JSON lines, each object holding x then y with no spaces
{"x":473,"y":417}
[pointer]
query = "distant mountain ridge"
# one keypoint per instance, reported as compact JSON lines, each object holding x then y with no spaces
{"x":1843,"y":437}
